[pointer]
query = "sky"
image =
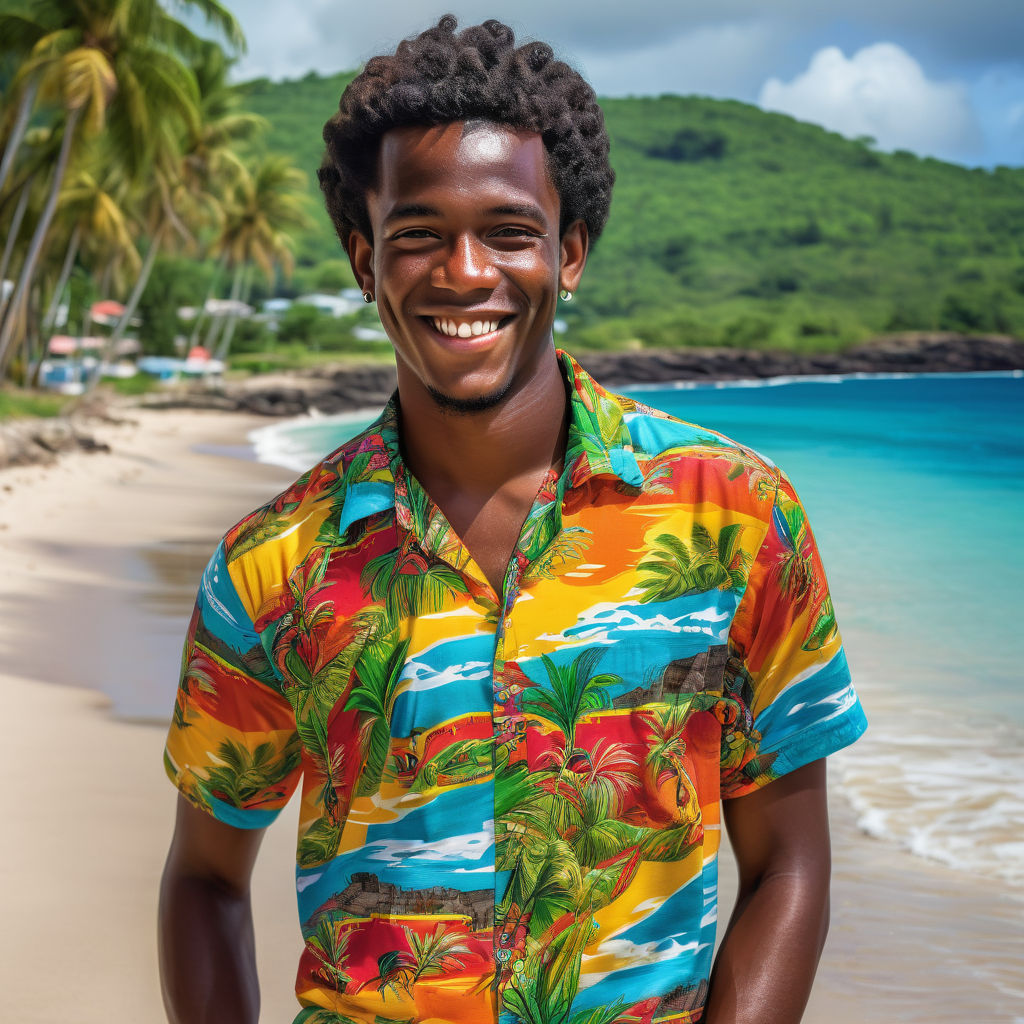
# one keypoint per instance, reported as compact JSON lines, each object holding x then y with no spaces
{"x":942,"y":78}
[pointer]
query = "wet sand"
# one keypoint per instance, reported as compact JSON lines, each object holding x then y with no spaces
{"x":101,"y":555}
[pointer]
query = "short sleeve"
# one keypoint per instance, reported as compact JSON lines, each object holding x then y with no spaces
{"x":788,"y":690}
{"x":232,"y":749}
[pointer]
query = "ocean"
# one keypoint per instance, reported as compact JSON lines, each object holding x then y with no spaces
{"x":913,"y":486}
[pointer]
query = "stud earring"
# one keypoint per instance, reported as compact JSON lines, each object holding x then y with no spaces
{"x":367,"y":297}
{"x":565,"y":295}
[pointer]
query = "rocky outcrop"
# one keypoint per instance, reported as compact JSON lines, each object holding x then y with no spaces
{"x":39,"y":441}
{"x":366,"y":894}
{"x":912,"y":352}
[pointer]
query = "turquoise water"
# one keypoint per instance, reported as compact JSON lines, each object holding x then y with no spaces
{"x":914,"y":488}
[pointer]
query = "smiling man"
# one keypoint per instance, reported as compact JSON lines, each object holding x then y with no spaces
{"x":519,"y":641}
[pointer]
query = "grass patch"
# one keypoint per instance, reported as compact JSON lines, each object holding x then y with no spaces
{"x":140,"y":384}
{"x":22,"y":405}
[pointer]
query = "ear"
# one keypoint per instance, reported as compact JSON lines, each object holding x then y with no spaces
{"x":575,"y":244}
{"x":360,"y":256}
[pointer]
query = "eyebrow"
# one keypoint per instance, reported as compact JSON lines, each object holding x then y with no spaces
{"x":520,"y":210}
{"x":407,"y":210}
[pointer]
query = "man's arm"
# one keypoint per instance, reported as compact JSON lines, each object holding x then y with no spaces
{"x":766,"y":963}
{"x":207,"y":948}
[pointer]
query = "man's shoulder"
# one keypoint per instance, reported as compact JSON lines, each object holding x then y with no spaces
{"x":659,"y":436}
{"x":311,"y":506}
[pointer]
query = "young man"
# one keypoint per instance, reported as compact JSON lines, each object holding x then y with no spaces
{"x":516,"y":640}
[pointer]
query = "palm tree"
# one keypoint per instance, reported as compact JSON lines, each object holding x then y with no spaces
{"x":378,"y":685}
{"x":666,"y":730}
{"x":195,"y":169}
{"x":575,"y":690}
{"x":92,"y":214}
{"x":83,"y":83}
{"x":675,"y":568}
{"x":20,"y":30}
{"x":610,"y":769}
{"x":795,"y":569}
{"x":435,"y":953}
{"x":244,"y":774}
{"x":407,"y":582}
{"x":393,"y":969}
{"x":112,"y":64}
{"x":259,"y":212}
{"x":330,"y":947}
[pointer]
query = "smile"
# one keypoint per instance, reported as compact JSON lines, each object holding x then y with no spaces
{"x":464,"y":328}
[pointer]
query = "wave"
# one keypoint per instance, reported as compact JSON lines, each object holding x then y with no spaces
{"x":810,"y":378}
{"x":944,"y":789}
{"x":300,"y":442}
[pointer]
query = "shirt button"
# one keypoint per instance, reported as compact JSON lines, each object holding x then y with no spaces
{"x":508,"y":623}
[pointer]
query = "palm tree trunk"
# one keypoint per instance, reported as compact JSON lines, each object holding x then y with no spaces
{"x":38,"y":238}
{"x":62,"y":281}
{"x":217,"y":327}
{"x":229,"y":330}
{"x":140,"y":284}
{"x":221,"y":264}
{"x":12,"y":235}
{"x":28,"y":98}
{"x":130,"y":306}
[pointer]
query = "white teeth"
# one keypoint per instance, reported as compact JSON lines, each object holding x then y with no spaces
{"x":464,"y":330}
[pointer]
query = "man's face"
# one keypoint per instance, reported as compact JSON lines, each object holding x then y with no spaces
{"x":466,"y":260}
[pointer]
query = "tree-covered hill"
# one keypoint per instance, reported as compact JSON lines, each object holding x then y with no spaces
{"x":735,"y":226}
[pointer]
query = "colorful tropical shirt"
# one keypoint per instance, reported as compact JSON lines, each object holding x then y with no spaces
{"x":510,"y":801}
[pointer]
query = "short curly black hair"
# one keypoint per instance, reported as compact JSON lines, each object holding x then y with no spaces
{"x":440,"y":77}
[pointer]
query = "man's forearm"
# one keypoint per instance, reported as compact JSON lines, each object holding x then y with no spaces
{"x":207,"y":952}
{"x":766,"y":964}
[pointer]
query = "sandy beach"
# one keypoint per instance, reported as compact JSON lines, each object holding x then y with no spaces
{"x":101,"y":555}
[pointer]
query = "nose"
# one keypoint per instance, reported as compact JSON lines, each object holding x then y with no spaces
{"x":467,"y":264}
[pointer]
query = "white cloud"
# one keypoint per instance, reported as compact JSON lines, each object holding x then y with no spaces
{"x":880,"y":91}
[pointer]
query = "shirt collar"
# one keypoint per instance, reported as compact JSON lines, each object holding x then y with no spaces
{"x":598,"y":443}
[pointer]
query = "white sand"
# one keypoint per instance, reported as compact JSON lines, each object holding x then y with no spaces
{"x":89,"y":811}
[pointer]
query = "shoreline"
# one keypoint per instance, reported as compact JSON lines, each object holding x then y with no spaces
{"x":109,"y":546}
{"x":361,"y":389}
{"x":329,"y":390}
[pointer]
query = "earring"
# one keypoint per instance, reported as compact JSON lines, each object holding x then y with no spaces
{"x":367,"y":297}
{"x":565,"y":295}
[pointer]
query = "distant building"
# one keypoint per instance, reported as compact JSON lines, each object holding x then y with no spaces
{"x":334,"y":305}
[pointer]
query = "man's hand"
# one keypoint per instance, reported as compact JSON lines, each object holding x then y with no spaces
{"x":765,"y":966}
{"x":207,"y":950}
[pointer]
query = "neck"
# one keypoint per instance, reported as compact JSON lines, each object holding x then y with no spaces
{"x":477,"y":453}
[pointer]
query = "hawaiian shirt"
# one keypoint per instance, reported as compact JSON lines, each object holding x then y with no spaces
{"x":511,"y":801}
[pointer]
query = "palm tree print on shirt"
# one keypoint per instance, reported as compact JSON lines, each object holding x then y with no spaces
{"x":676,"y":568}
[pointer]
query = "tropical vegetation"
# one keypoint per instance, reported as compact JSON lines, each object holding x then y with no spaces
{"x":133,"y":169}
{"x":734,"y":226}
{"x":124,"y":144}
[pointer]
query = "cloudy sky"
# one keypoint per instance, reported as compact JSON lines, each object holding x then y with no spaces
{"x":939,"y":77}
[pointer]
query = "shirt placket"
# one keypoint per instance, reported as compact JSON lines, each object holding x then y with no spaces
{"x":510,"y":733}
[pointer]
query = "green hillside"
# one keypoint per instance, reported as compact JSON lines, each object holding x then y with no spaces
{"x":739,"y":227}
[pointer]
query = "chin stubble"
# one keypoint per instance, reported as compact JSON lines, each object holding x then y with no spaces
{"x":468,"y":406}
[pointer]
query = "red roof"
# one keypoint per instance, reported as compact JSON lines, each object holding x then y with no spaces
{"x":107,"y":307}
